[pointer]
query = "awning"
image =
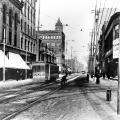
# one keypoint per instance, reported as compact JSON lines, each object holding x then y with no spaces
{"x":16,"y":61}
{"x":2,"y":58}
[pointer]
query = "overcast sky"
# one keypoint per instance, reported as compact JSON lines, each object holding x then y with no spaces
{"x":77,"y":14}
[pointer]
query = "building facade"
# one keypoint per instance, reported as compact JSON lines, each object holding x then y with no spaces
{"x":28,"y":38}
{"x":102,"y":16}
{"x":17,"y":37}
{"x":109,"y":42}
{"x":10,"y":22}
{"x":55,"y":39}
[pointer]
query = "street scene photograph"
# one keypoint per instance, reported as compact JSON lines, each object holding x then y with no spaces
{"x":59,"y":60}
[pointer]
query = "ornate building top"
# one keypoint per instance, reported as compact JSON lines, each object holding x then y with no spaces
{"x":59,"y":25}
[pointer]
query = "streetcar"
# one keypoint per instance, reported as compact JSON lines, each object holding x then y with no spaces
{"x":45,"y":72}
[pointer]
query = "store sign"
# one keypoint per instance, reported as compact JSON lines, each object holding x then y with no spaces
{"x":115,"y":48}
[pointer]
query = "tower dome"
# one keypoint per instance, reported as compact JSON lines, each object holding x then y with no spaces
{"x":59,"y":25}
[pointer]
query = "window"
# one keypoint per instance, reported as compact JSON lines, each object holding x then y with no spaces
{"x":10,"y":26}
{"x":25,"y":10}
{"x":21,"y":42}
{"x":51,"y":37}
{"x":31,"y":46}
{"x":25,"y":27}
{"x":15,"y":27}
{"x":116,"y":31}
{"x":28,"y":45}
{"x":21,"y":24}
{"x":28,"y":12}
{"x":59,"y":37}
{"x":25,"y":44}
{"x":28,"y":29}
{"x":53,"y":44}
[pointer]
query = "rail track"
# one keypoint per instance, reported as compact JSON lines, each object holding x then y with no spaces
{"x":11,"y":115}
{"x":21,"y":93}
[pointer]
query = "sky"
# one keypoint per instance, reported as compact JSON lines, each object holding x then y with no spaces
{"x":78,"y":15}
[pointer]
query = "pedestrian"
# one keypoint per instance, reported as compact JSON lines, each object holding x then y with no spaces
{"x":97,"y":77}
{"x":63,"y":81}
{"x":87,"y":78}
{"x":103,"y":75}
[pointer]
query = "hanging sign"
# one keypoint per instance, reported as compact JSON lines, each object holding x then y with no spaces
{"x":115,"y":48}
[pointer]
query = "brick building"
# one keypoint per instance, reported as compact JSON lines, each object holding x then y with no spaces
{"x":17,"y":30}
{"x":55,"y":39}
{"x":28,"y":34}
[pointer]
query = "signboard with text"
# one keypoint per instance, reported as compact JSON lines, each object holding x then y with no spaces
{"x":115,"y":48}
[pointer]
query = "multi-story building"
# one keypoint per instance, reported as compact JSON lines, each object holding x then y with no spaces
{"x":102,"y":17}
{"x":55,"y":39}
{"x":10,"y":23}
{"x":28,"y":33}
{"x":17,"y":36}
{"x":109,"y":42}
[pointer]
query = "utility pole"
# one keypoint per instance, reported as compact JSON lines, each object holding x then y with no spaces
{"x":4,"y":39}
{"x":38,"y":40}
{"x":95,"y":44}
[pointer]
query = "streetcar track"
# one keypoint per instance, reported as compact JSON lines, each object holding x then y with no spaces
{"x":38,"y":100}
{"x":9,"y":115}
{"x":14,"y":98}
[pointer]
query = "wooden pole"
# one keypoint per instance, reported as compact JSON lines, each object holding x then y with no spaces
{"x":4,"y":54}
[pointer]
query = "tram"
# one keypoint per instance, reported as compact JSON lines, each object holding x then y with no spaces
{"x":45,"y":72}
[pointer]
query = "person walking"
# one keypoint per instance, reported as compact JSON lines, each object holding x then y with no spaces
{"x":87,"y":78}
{"x":63,"y":80}
{"x":97,"y":77}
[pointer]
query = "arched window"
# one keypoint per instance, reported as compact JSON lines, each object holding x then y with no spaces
{"x":10,"y":26}
{"x":4,"y":14}
{"x":15,"y":28}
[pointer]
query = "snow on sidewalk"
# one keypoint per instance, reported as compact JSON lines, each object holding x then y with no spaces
{"x":14,"y":83}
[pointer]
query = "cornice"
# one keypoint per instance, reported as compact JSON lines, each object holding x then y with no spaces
{"x":17,"y":3}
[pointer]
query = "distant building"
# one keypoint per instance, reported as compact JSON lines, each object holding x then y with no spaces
{"x":55,"y":39}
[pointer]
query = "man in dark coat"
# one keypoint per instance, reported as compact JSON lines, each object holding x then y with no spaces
{"x":63,"y":80}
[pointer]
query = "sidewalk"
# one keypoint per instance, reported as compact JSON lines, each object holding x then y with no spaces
{"x":108,"y":107}
{"x":9,"y":84}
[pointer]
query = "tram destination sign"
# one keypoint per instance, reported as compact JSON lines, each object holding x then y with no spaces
{"x":115,"y":48}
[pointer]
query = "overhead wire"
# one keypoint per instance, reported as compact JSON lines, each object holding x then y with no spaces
{"x":108,"y":15}
{"x":114,"y":10}
{"x":101,"y":15}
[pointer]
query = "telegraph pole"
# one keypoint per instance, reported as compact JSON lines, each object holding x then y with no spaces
{"x":4,"y":54}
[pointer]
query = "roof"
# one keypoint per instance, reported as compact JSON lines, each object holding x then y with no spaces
{"x":113,"y":17}
{"x":58,"y":23}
